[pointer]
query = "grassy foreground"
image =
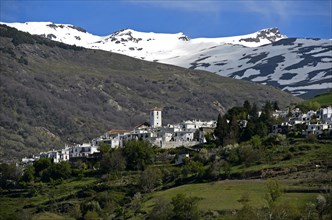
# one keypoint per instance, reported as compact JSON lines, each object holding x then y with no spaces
{"x":226,"y":195}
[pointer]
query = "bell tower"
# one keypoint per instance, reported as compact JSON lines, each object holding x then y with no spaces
{"x":155,"y":117}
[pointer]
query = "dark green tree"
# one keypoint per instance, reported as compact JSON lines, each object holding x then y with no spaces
{"x":234,"y":130}
{"x":221,"y":129}
{"x":248,"y":131}
{"x":113,"y":161}
{"x":139,"y":154}
{"x":56,"y":171}
{"x":247,"y":106}
{"x":41,"y":164}
{"x":266,"y":115}
{"x":29,"y":174}
{"x":261,"y":129}
{"x":254,"y":113}
{"x":9,"y":175}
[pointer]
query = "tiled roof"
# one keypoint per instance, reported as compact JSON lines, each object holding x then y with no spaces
{"x":113,"y":131}
{"x":156,"y":109}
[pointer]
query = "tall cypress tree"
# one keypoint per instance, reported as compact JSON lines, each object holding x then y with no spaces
{"x":247,"y":106}
{"x":221,"y":129}
{"x":254,"y":113}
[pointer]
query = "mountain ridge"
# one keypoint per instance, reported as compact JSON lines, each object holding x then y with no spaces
{"x":302,"y":67}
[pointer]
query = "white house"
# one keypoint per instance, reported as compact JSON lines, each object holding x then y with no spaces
{"x":325,"y":114}
{"x":280,"y":113}
{"x":184,"y":136}
{"x":54,"y":155}
{"x":196,"y":124}
{"x":317,"y":129}
{"x":83,"y":150}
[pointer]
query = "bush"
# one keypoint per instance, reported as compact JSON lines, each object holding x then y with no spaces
{"x":150,"y":179}
{"x":91,"y":215}
{"x":185,"y":208}
{"x":162,"y":210}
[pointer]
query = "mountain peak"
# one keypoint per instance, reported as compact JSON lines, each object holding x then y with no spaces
{"x":268,"y":34}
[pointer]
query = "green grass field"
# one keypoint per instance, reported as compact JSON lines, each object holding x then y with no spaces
{"x":225,"y":195}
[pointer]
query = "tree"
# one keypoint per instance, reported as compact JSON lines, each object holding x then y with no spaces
{"x":254,"y":113}
{"x":274,"y":191}
{"x":193,"y":168}
{"x":139,"y":154}
{"x":214,"y":170}
{"x":255,"y":142}
{"x":267,"y":112}
{"x":41,"y":164}
{"x":261,"y":129}
{"x":247,"y":106}
{"x":185,"y":208}
{"x":9,"y":175}
{"x":248,"y":131}
{"x":150,"y":179}
{"x":136,"y":202}
{"x":57,"y":171}
{"x":275,"y":105}
{"x":203,"y":155}
{"x":323,"y":205}
{"x":221,"y":129}
{"x":104,"y":148}
{"x":162,"y":210}
{"x":234,"y":131}
{"x":113,"y":161}
{"x":227,"y":168}
{"x":29,"y":174}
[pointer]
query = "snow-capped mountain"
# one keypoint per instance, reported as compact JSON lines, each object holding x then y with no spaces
{"x":300,"y":66}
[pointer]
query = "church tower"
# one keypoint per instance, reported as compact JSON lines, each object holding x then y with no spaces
{"x":155,"y":117}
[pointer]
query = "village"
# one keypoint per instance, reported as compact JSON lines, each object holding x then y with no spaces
{"x":186,"y":133}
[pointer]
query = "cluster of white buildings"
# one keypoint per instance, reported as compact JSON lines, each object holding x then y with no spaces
{"x":314,"y":122}
{"x":186,"y":133}
{"x":86,"y":150}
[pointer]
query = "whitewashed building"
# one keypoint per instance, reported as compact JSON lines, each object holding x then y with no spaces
{"x":83,"y":150}
{"x":325,"y":114}
{"x":317,"y":129}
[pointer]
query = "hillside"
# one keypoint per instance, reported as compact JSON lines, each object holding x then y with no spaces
{"x":53,"y":93}
{"x":297,"y":173}
{"x":299,"y":66}
{"x":323,"y":99}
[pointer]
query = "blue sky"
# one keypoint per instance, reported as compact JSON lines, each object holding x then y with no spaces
{"x":196,"y":18}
